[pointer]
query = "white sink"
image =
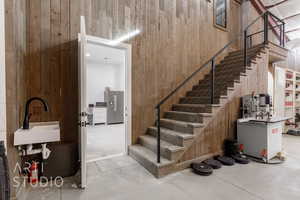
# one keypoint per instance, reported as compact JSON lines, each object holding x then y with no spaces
{"x":41,"y":132}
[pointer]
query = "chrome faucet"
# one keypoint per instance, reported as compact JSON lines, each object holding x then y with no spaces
{"x":27,"y":115}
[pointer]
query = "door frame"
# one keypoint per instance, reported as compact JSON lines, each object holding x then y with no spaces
{"x":128,"y":83}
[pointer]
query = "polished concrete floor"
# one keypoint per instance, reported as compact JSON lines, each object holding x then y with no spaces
{"x":123,"y":179}
{"x":105,"y":140}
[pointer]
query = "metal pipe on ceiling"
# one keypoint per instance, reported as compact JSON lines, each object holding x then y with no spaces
{"x":276,"y":4}
{"x":293,"y":30}
{"x":291,"y":16}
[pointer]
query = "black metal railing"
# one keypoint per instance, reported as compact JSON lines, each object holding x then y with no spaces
{"x":212,"y":62}
{"x":279,"y":25}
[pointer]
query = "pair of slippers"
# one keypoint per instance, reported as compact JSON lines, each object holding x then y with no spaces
{"x":206,"y":167}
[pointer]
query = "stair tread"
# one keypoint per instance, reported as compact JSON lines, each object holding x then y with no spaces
{"x":198,"y":105}
{"x":219,"y":97}
{"x":174,"y":133}
{"x":183,"y":123}
{"x":189,"y":113}
{"x":191,"y":105}
{"x":149,"y":155}
{"x":163,"y":144}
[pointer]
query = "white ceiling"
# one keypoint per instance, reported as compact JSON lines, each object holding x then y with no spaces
{"x":96,"y":53}
{"x":286,"y":9}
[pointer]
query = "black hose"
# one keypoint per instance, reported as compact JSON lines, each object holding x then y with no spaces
{"x":4,"y":174}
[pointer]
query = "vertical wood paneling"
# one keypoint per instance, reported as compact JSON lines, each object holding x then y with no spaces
{"x":15,"y":50}
{"x":176,"y":38}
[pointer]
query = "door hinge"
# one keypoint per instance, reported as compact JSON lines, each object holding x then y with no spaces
{"x":83,"y":114}
{"x":82,"y":124}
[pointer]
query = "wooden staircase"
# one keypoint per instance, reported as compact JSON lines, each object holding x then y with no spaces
{"x":187,"y":120}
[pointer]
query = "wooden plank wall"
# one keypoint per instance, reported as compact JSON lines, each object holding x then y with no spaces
{"x":15,"y":50}
{"x":176,"y":38}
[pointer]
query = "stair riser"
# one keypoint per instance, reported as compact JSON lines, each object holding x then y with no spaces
{"x":234,"y":62}
{"x":192,"y":109}
{"x":229,"y":68}
{"x":221,"y":80}
{"x":205,"y":93}
{"x":177,"y":127}
{"x":239,"y":58}
{"x":164,"y":152}
{"x":179,"y":141}
{"x":223,"y":76}
{"x":249,"y":51}
{"x":241,"y":55}
{"x":151,"y":167}
{"x":197,"y":101}
{"x":217,"y":85}
{"x":220,"y":83}
{"x":208,"y":90}
{"x":184,"y":117}
{"x":222,"y":73}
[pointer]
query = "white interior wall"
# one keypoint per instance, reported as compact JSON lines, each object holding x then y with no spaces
{"x":103,"y":73}
{"x":100,"y":76}
{"x":270,"y":84}
{"x":2,"y":75}
{"x":279,"y":96}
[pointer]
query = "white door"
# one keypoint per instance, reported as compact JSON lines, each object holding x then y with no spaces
{"x":82,"y":42}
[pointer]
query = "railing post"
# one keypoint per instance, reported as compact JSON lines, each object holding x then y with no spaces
{"x":266,"y":30}
{"x":212,"y":81}
{"x":283,"y":31}
{"x":245,"y":49}
{"x":158,"y":133}
{"x":281,"y":35}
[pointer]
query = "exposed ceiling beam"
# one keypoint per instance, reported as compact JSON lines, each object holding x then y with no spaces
{"x":276,"y":4}
{"x":292,"y":16}
{"x":293,"y":30}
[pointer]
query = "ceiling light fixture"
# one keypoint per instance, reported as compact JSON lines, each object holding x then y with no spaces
{"x":124,"y":37}
{"x":88,"y":55}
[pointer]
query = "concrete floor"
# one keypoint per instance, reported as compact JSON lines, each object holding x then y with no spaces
{"x":105,"y":140}
{"x":123,"y":179}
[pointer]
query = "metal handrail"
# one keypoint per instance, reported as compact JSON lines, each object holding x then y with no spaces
{"x":212,"y":61}
{"x":258,"y":32}
{"x":206,"y":63}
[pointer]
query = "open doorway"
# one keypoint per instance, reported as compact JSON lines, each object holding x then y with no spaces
{"x":104,"y":98}
{"x":107,"y":95}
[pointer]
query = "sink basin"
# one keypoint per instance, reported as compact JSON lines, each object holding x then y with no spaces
{"x":40,"y":132}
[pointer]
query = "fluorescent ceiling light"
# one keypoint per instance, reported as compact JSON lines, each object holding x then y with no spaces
{"x":125,"y":37}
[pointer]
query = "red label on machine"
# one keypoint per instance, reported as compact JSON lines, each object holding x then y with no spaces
{"x":264,"y":153}
{"x":275,"y":130}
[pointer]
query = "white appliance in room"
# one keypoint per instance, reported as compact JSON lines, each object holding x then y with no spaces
{"x":259,"y":134}
{"x":260,"y":138}
{"x":115,"y":106}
